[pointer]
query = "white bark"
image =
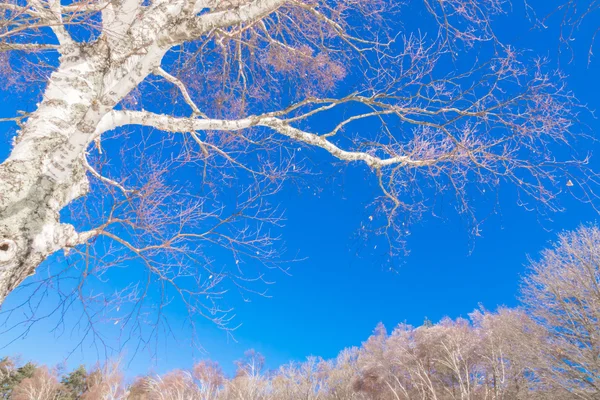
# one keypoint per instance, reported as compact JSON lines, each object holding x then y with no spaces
{"x":43,"y":173}
{"x":45,"y":170}
{"x":168,"y":123}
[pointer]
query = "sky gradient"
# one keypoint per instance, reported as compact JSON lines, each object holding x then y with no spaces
{"x":336,"y":293}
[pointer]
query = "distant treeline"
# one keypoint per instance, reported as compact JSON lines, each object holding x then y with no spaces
{"x":547,"y":349}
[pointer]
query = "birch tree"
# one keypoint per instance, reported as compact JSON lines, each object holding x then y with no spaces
{"x":43,"y":385}
{"x":253,"y":81}
{"x":562,"y":293}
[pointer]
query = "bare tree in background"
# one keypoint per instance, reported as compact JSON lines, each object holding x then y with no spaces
{"x":491,"y":356}
{"x":299,"y":381}
{"x":249,"y":382}
{"x":547,"y":350}
{"x":510,"y":355}
{"x":176,"y":385}
{"x":105,"y":383}
{"x":341,"y":374}
{"x":209,"y":378}
{"x":43,"y":385}
{"x":204,"y":382}
{"x":146,"y":171}
{"x":503,"y":355}
{"x":562,"y":293}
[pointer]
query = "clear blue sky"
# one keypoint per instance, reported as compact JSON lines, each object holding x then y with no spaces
{"x":334,"y":298}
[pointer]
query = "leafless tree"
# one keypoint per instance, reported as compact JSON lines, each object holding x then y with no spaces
{"x":562,"y":293}
{"x":176,"y":385}
{"x":509,"y":351}
{"x":299,"y":381}
{"x":491,"y":356}
{"x":210,"y":379}
{"x":503,"y":355}
{"x":160,"y":181}
{"x":43,"y":385}
{"x":546,"y":350}
{"x":249,"y":382}
{"x":341,"y":375}
{"x":106,"y":383}
{"x":204,"y":382}
{"x":138,"y":390}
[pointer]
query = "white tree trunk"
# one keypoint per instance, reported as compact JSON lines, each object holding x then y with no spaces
{"x":44,"y":171}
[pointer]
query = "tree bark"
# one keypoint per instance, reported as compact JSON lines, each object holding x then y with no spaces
{"x":44,"y":172}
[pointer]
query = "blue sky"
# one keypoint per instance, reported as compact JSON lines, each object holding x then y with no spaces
{"x":335,"y":297}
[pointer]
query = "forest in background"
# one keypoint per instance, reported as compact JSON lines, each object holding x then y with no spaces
{"x":547,"y":349}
